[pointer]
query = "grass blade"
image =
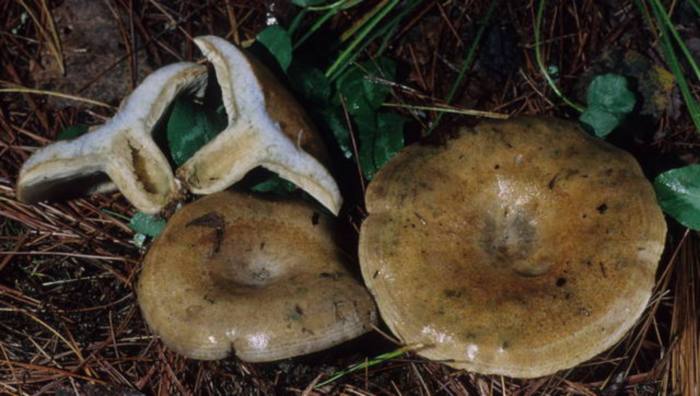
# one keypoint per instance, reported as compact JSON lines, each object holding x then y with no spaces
{"x":540,"y":62}
{"x":674,"y":65}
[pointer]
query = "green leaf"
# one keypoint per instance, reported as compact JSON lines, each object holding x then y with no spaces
{"x":376,"y":90}
{"x":610,"y":92}
{"x":147,"y":224}
{"x":599,"y":121}
{"x":609,"y":101}
{"x":72,"y":132}
{"x":189,"y":127}
{"x":360,"y":85}
{"x":275,"y":185}
{"x":389,"y":138}
{"x":310,"y":82}
{"x":278,"y":42}
{"x":336,"y":123}
{"x":678,"y":192}
{"x":379,"y":144}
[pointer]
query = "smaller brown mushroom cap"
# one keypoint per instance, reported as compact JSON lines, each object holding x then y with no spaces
{"x":261,"y":278}
{"x":520,"y":248}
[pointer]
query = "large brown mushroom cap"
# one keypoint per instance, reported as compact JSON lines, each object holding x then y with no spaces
{"x":521,"y":248}
{"x":261,"y":278}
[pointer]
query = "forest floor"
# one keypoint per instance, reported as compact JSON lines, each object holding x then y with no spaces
{"x":69,"y":319}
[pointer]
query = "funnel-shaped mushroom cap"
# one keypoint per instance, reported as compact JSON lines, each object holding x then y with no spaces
{"x":262,"y":279}
{"x":266,"y":128}
{"x":122,"y":150}
{"x":521,"y":248}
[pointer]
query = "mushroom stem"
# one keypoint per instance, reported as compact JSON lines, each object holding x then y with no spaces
{"x":122,"y":149}
{"x":265,"y":123}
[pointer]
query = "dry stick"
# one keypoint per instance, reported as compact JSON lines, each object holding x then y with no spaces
{"x":20,"y":89}
{"x":666,"y":278}
{"x":55,"y":332}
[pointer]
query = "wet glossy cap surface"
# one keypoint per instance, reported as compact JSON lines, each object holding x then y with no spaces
{"x":263,"y":279}
{"x":520,"y":248}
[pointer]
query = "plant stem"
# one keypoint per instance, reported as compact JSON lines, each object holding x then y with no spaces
{"x":674,"y":65}
{"x":540,"y":62}
{"x":347,"y":53}
{"x":466,"y":64}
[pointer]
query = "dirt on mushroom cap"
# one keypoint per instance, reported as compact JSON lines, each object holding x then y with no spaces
{"x":260,"y":278}
{"x":521,"y":248}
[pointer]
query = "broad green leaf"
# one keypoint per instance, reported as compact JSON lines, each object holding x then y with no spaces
{"x":72,"y":132}
{"x":609,"y":101}
{"x":379,"y":72}
{"x":361,"y":86}
{"x":336,"y":123}
{"x":189,"y":127}
{"x":389,"y":137}
{"x":275,"y":185}
{"x":678,"y":192}
{"x":351,"y":88}
{"x":378,"y":144}
{"x":278,"y":42}
{"x":310,"y":82}
{"x":147,"y":224}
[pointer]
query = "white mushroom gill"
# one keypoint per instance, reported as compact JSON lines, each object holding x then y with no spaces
{"x":258,"y":133}
{"x":122,"y":150}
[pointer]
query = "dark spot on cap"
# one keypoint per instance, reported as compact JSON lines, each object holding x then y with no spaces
{"x":376,"y":273}
{"x":314,"y":218}
{"x":561,"y":282}
{"x":496,"y":166}
{"x":602,"y":208}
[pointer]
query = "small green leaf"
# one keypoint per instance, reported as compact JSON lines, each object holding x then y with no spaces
{"x":610,"y":92}
{"x":310,"y":82}
{"x":609,"y":101}
{"x":678,"y":192}
{"x":275,"y":185}
{"x":599,"y":121}
{"x":72,"y":132}
{"x":189,"y":127}
{"x":147,"y":224}
{"x":278,"y":42}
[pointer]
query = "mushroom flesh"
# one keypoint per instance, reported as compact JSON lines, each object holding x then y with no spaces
{"x":266,"y":127}
{"x":119,"y":153}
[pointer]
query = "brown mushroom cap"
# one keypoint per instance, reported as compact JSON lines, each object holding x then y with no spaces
{"x":261,"y":278}
{"x":521,"y":248}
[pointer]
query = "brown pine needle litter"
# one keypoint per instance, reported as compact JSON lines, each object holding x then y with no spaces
{"x":69,"y":323}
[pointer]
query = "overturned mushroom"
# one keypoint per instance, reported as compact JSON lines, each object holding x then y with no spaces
{"x":521,"y":248}
{"x":260,"y":278}
{"x":122,"y":150}
{"x":266,"y":128}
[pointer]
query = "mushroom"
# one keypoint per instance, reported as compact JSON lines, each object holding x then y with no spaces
{"x":261,"y":278}
{"x":520,"y":248}
{"x":122,"y":148}
{"x":266,"y":127}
